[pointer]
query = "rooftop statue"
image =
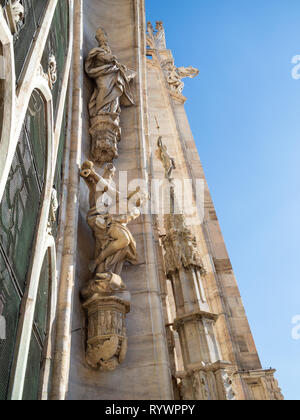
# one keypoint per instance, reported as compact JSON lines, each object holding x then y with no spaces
{"x":176,"y":74}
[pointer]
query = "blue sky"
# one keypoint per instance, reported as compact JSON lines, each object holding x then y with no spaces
{"x":244,"y":110}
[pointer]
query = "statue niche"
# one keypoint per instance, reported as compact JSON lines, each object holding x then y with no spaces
{"x":105,"y":297}
{"x":111,"y":91}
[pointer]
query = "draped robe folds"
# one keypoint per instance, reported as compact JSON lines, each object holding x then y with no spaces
{"x":115,"y":262}
{"x":112,"y":83}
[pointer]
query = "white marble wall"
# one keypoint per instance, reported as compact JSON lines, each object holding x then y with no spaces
{"x":145,"y":374}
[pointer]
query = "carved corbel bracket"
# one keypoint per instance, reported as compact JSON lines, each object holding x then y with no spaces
{"x":106,"y":311}
{"x":106,"y":134}
{"x":208,"y":382}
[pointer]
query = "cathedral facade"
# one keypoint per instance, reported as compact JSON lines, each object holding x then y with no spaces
{"x":115,"y":282}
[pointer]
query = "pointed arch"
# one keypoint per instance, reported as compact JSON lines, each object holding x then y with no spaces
{"x":37,"y":251}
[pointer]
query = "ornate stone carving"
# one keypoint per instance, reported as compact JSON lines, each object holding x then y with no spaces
{"x":114,"y":242}
{"x":53,"y":210}
{"x":175,"y":75}
{"x":200,"y":387}
{"x":156,"y":39}
{"x":273,"y":389}
{"x":150,"y":37}
{"x":262,"y":385}
{"x":111,"y":91}
{"x":184,"y":389}
{"x":167,"y":161}
{"x":105,"y":283}
{"x":106,"y":340}
{"x":52,"y":71}
{"x":208,"y":382}
{"x":105,"y":297}
{"x":15,"y":14}
{"x":180,"y":246}
{"x":51,"y":75}
{"x":227,"y":385}
{"x":17,"y":11}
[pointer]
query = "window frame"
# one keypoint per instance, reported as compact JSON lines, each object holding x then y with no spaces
{"x":45,"y":369}
{"x":31,"y":79}
{"x":38,"y":252}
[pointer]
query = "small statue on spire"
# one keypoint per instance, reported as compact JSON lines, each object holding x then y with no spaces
{"x":156,"y":39}
{"x":167,"y":161}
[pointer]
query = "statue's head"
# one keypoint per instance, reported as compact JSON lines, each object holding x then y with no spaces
{"x":149,"y":26}
{"x":101,"y":36}
{"x":159,"y":25}
{"x":168,"y":64}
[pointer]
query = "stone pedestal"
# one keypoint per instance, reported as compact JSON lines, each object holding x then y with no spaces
{"x":106,"y":328}
{"x":208,"y":382}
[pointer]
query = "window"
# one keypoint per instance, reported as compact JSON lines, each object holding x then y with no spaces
{"x":19,"y":211}
{"x":57,"y":44}
{"x":9,"y":307}
{"x":33,"y":13}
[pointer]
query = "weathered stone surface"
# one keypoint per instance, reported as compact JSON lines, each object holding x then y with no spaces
{"x":145,"y":373}
{"x":186,"y":330}
{"x":104,"y":297}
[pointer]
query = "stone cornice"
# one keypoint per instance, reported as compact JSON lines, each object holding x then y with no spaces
{"x":210,"y":367}
{"x":256,"y":373}
{"x":195,"y":316}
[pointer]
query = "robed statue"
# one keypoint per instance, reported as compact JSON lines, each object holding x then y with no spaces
{"x":112,"y":90}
